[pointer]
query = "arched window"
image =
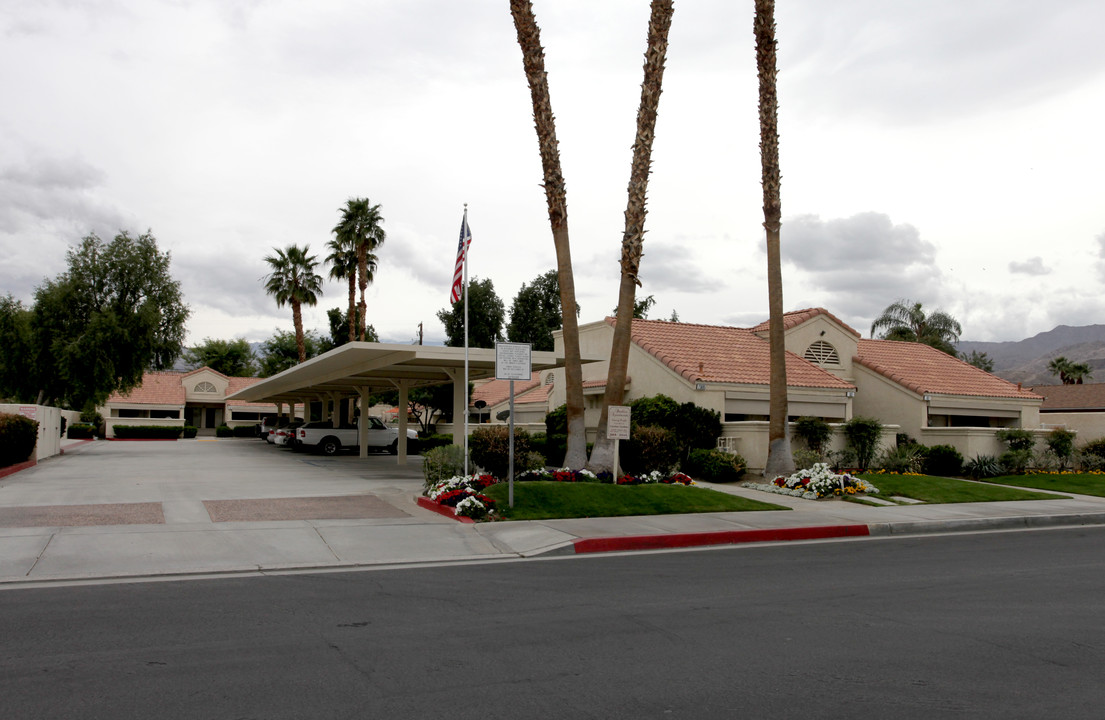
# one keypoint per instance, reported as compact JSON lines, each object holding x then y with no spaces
{"x":206,"y":387}
{"x":822,"y":353}
{"x":549,"y":379}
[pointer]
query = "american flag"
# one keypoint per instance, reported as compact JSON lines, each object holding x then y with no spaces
{"x":462,"y":250}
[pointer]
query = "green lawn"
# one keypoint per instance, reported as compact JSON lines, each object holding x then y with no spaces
{"x":550,"y":500}
{"x":1079,"y":484}
{"x":930,"y":489}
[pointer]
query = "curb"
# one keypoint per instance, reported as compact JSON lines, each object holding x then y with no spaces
{"x":427,"y":504}
{"x":12,"y":469}
{"x":729,"y":537}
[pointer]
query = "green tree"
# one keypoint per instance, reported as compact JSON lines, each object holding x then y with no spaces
{"x":293,"y":281}
{"x":641,"y":308}
{"x":535,"y":312}
{"x":485,"y":317}
{"x":233,"y":358}
{"x":982,"y":360}
{"x":338,"y":323}
{"x":281,"y":351}
{"x":907,"y":321}
{"x":343,"y":266}
{"x":1070,"y":373}
{"x":17,"y":364}
{"x":360,"y":228}
{"x":115,"y":313}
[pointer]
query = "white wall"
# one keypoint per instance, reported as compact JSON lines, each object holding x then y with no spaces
{"x":49,"y":426}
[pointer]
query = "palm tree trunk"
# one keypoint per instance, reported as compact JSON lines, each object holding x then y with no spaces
{"x":779,"y":458}
{"x":533,"y":61}
{"x":297,"y":321}
{"x":602,"y":455}
{"x":362,"y":281}
{"x":352,"y":307}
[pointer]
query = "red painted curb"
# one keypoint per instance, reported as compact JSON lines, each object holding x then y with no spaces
{"x":12,"y":469}
{"x":728,"y":537}
{"x":428,"y":504}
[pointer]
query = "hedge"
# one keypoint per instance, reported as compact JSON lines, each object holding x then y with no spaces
{"x":148,"y":432}
{"x":80,"y":431}
{"x":18,"y":437}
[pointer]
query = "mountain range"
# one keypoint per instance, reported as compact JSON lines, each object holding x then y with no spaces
{"x":1025,"y":361}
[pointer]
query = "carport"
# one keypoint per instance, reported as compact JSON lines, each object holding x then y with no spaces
{"x":356,"y":369}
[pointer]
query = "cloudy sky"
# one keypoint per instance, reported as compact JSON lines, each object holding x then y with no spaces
{"x":944,"y":151}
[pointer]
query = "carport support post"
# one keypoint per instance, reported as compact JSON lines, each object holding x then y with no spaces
{"x":335,"y":417}
{"x":402,"y":441}
{"x":362,"y":422}
{"x":460,"y":412}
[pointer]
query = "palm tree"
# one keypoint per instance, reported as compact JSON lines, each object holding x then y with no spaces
{"x":779,"y":458}
{"x":360,"y":228}
{"x":533,"y":62}
{"x":1060,"y":366}
{"x":1070,"y":373}
{"x":602,"y":455}
{"x":293,"y":281}
{"x":907,"y":321}
{"x":343,"y":266}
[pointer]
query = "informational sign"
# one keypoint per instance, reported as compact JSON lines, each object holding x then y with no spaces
{"x":617,"y":422}
{"x":512,"y":361}
{"x":28,"y":411}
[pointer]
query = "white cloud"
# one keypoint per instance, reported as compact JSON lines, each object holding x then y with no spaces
{"x":1031,"y":266}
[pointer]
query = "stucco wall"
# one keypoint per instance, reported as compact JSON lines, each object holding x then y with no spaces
{"x":1088,"y":425}
{"x":798,"y":339}
{"x":49,"y":426}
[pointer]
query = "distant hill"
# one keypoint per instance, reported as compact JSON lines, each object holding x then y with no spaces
{"x":1025,"y":361}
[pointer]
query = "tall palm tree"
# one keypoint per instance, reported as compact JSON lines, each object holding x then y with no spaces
{"x":779,"y":458}
{"x":907,"y":321}
{"x":293,"y":281}
{"x":602,"y":455}
{"x":343,"y":266}
{"x":360,"y":226}
{"x":533,"y":62}
{"x":1070,"y":373}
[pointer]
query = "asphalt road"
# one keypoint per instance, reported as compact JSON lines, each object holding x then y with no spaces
{"x":1002,"y":625}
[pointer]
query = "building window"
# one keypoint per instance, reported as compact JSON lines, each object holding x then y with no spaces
{"x":822,"y":353}
{"x":206,"y":387}
{"x":165,"y":414}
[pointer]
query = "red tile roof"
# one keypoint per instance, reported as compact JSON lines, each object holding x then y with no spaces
{"x":241,"y":383}
{"x":714,"y":353}
{"x":157,"y":388}
{"x":925,"y":369}
{"x":498,"y":391}
{"x":1075,"y":398}
{"x":797,"y":317}
{"x":537,"y":395}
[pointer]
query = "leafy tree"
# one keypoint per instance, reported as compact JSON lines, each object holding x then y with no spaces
{"x":234,"y":358}
{"x":281,"y":351}
{"x":641,"y":308}
{"x":17,"y":365}
{"x":115,"y":313}
{"x":338,"y":336}
{"x":907,"y":321}
{"x":982,"y":360}
{"x":485,"y":317}
{"x":535,"y":313}
{"x":293,"y":281}
{"x":360,"y":228}
{"x":428,"y":403}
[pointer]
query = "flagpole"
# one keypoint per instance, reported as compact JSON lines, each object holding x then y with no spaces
{"x":464,"y":387}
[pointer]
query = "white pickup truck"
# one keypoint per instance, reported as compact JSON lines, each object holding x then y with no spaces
{"x":328,"y":440}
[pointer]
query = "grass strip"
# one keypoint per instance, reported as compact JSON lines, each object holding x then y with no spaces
{"x":938,"y":490}
{"x":1080,"y":484}
{"x":551,"y":500}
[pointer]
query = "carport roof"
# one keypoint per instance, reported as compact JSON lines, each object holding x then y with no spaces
{"x":358,"y":365}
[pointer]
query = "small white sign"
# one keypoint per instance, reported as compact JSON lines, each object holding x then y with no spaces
{"x":512,"y":361}
{"x":28,"y":411}
{"x":617,"y":422}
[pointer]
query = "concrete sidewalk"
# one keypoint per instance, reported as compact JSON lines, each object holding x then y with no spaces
{"x":116,"y":510}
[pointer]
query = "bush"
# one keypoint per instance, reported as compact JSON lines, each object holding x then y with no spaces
{"x":556,"y":421}
{"x":804,"y":458}
{"x":243,"y":431}
{"x":80,"y":431}
{"x":903,"y":459}
{"x":842,"y":459}
{"x":531,"y":461}
{"x":649,"y":448}
{"x":814,"y":432}
{"x":1087,"y":461}
{"x":715,"y":465}
{"x":441,"y":463}
{"x":436,"y":440}
{"x":18,"y":437}
{"x":656,"y":411}
{"x":190,"y":431}
{"x":148,"y":432}
{"x":1095,"y":448}
{"x":64,"y":423}
{"x":982,"y":467}
{"x":1015,"y":462}
{"x":863,"y":435}
{"x":224,"y":431}
{"x":692,"y":426}
{"x":943,"y":460}
{"x":490,"y":449}
{"x":1016,"y":438}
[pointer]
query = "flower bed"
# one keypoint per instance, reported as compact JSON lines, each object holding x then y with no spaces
{"x":815,"y":483}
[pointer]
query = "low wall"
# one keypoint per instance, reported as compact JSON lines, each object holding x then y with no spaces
{"x":972,"y":441}
{"x":749,"y":440}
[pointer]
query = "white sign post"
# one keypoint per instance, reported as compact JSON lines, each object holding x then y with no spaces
{"x":617,"y":429}
{"x":513,"y":361}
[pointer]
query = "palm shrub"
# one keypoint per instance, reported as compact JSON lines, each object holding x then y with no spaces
{"x":490,"y":448}
{"x":814,"y":431}
{"x":649,"y":448}
{"x":982,"y":467}
{"x":902,"y":459}
{"x":441,"y":463}
{"x":942,"y":460}
{"x":712,"y":465}
{"x":18,"y":437}
{"x":863,"y":435}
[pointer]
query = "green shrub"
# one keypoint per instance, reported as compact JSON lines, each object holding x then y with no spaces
{"x":841,"y":460}
{"x":18,"y":437}
{"x":692,"y":426}
{"x":556,"y":421}
{"x":490,"y":449}
{"x":1094,"y":447}
{"x":1015,"y":462}
{"x":715,"y":465}
{"x":243,"y":431}
{"x":64,"y":423}
{"x":814,"y":432}
{"x":441,"y":463}
{"x":190,"y":431}
{"x":224,"y":431}
{"x":435,"y":440}
{"x":943,"y":460}
{"x":656,"y":411}
{"x":530,"y":461}
{"x":903,"y":459}
{"x":148,"y":432}
{"x":863,"y":435}
{"x":1016,"y":438}
{"x":649,"y":448}
{"x":80,"y":431}
{"x":982,"y":467}
{"x":805,"y":458}
{"x":1088,"y":461}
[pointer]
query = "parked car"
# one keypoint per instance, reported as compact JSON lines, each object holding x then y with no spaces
{"x":285,"y":436}
{"x":328,"y":440}
{"x":268,"y":430}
